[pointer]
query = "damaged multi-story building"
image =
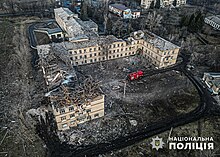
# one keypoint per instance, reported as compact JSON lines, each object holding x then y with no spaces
{"x":74,"y":98}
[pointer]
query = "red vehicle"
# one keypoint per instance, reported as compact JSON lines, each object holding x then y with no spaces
{"x":135,"y":75}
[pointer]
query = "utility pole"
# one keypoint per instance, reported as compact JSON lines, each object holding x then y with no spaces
{"x":124,"y":88}
{"x":171,"y":129}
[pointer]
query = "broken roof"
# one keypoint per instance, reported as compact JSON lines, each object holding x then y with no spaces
{"x":65,"y":86}
{"x":159,"y":42}
{"x":90,"y":43}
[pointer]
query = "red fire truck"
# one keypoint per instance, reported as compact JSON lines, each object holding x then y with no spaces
{"x":135,"y":75}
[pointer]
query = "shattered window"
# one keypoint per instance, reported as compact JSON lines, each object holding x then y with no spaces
{"x":72,"y":115}
{"x":62,"y":111}
{"x":71,"y":108}
{"x":63,"y":118}
{"x":96,"y":115}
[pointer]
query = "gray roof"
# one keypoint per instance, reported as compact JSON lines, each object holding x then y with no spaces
{"x":159,"y":42}
{"x":214,"y":18}
{"x":90,"y":43}
{"x":54,"y":30}
{"x":119,"y":6}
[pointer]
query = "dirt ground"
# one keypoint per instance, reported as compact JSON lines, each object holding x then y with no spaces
{"x":147,"y":100}
{"x":206,"y":127}
{"x":18,"y":91}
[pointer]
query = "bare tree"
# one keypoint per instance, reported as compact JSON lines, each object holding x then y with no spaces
{"x":153,"y":20}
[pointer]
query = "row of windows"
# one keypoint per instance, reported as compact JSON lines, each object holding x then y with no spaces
{"x":73,"y":115}
{"x":71,"y":123}
{"x":169,"y":52}
{"x":79,"y":120}
{"x":103,"y":58}
{"x":62,"y":110}
{"x":94,"y":49}
{"x":95,"y":54}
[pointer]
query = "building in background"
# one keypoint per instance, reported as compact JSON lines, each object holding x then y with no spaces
{"x":213,"y":21}
{"x":75,"y":29}
{"x":147,"y":3}
{"x":212,"y":80}
{"x":123,"y":11}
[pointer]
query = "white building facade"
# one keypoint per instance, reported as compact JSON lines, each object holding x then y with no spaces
{"x":146,"y":3}
{"x":213,"y":21}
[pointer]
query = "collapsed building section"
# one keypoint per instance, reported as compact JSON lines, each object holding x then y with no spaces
{"x":74,"y":98}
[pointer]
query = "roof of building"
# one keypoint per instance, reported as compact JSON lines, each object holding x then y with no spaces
{"x":159,"y":42}
{"x":54,"y":30}
{"x":213,"y":74}
{"x":75,"y":27}
{"x":214,"y":78}
{"x":214,"y":18}
{"x":119,"y":6}
{"x":91,"y":43}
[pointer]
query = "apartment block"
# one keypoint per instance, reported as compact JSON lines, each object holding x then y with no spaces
{"x":146,"y":3}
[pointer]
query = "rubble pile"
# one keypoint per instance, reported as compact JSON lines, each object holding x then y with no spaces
{"x":65,"y":87}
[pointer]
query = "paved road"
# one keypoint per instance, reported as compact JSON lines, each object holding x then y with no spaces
{"x":203,"y":109}
{"x":31,"y":36}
